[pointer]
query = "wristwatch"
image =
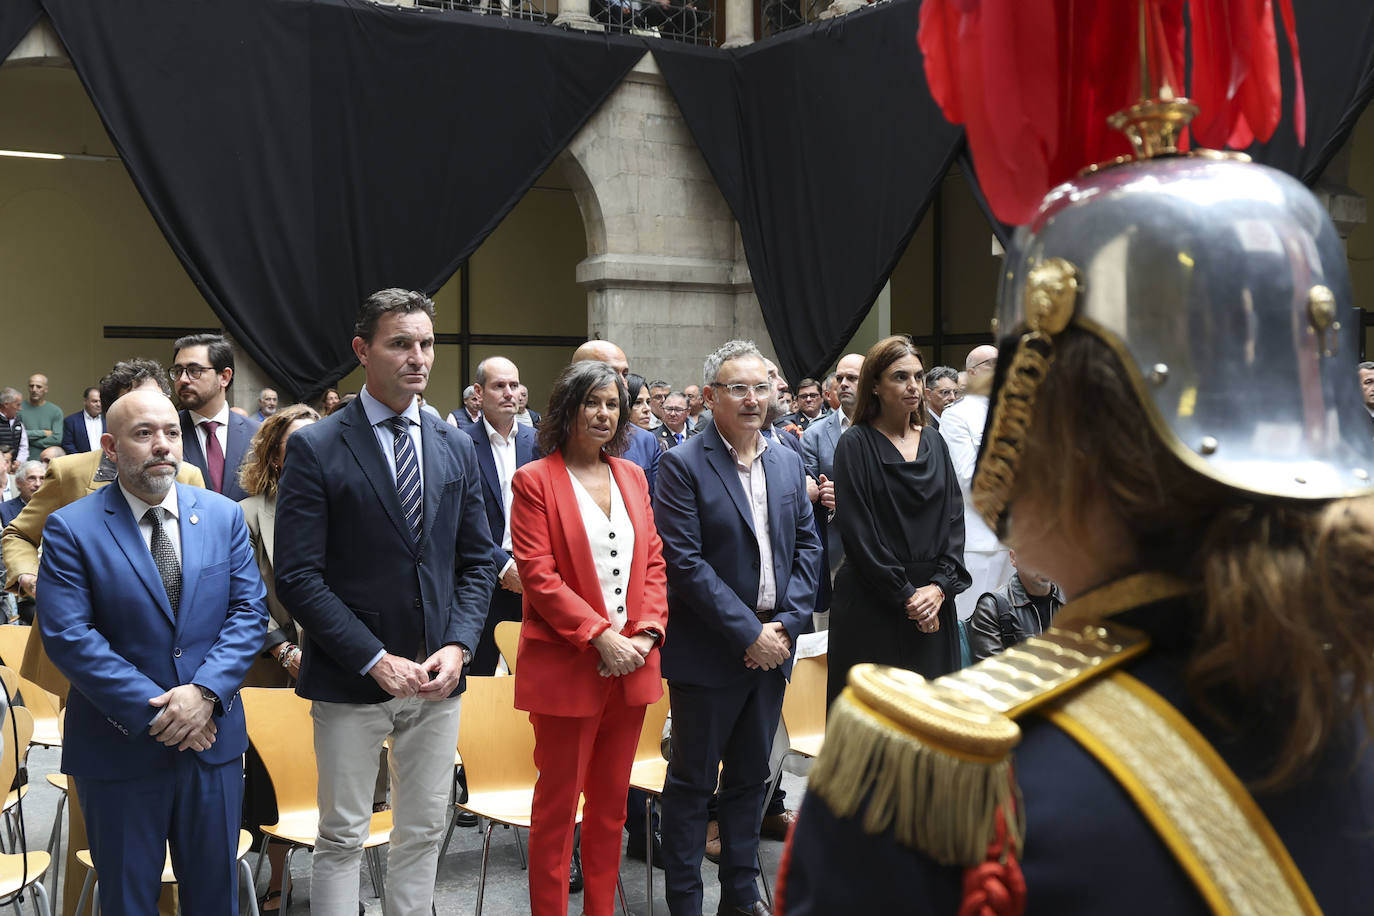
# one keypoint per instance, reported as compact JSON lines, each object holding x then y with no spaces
{"x":658,"y":637}
{"x":208,"y":694}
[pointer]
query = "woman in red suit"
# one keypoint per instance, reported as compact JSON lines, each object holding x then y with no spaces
{"x":595,"y":611}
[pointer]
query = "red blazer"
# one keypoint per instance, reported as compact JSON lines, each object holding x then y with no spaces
{"x":563,"y":610}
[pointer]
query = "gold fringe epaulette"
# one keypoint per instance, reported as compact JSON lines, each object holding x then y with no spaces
{"x":932,"y":761}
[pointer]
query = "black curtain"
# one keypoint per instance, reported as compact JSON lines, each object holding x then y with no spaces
{"x":299,"y":155}
{"x":828,"y":149}
{"x":16,"y":18}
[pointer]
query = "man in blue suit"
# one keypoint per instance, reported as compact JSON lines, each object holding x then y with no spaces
{"x":384,"y":557}
{"x":743,"y":563}
{"x":154,"y":609}
{"x":502,"y":446}
{"x":215,"y":439}
{"x":81,"y":431}
{"x":818,"y":444}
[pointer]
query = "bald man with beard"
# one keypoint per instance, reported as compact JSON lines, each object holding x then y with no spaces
{"x":642,"y":446}
{"x":961,"y":425}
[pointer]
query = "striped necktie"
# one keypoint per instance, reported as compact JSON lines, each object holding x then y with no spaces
{"x":407,"y":474}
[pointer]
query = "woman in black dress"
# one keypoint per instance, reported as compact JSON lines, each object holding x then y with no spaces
{"x":901,"y":517}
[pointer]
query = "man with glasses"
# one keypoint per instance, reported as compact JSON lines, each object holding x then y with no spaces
{"x":942,"y":390}
{"x":697,"y":414}
{"x":658,"y":393}
{"x":214,"y":438}
{"x":743,"y":562}
{"x":961,"y":426}
{"x":675,"y":429}
{"x":808,"y":406}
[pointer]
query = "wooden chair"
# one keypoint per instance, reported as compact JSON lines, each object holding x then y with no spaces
{"x":803,"y":706}
{"x":648,"y":773}
{"x":20,"y":871}
{"x":280,"y":729}
{"x":507,"y":636}
{"x":45,"y":708}
{"x":14,"y":639}
{"x":10,"y":678}
{"x":90,"y":889}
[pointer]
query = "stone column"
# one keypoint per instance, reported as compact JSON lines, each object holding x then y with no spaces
{"x":739,"y":23}
{"x":574,"y":14}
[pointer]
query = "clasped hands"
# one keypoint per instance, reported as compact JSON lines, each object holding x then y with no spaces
{"x":620,"y":655}
{"x":770,"y":649}
{"x":924,"y":607}
{"x":432,"y":679}
{"x":185,"y":719}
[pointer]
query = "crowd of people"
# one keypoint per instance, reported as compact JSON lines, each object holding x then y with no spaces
{"x":640,"y":530}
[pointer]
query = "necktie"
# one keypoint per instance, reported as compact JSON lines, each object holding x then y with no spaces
{"x":407,"y":474}
{"x":678,"y":438}
{"x":214,"y":456}
{"x":165,"y":556}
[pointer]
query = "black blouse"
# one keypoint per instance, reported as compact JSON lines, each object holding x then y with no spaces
{"x":893,"y":513}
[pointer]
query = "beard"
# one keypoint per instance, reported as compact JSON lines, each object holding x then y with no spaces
{"x":147,"y":479}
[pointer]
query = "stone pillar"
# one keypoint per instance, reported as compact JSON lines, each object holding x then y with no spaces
{"x":739,"y":23}
{"x":575,"y":14}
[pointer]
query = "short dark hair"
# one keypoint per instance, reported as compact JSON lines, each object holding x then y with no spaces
{"x":87,"y":393}
{"x":807,"y":382}
{"x":1367,"y":365}
{"x":569,"y":391}
{"x":659,"y":383}
{"x":386,"y":301}
{"x":217,"y":349}
{"x":633,"y":383}
{"x":124,"y":375}
{"x":939,"y":372}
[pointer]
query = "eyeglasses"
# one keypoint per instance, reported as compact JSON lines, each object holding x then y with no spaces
{"x":195,"y":372}
{"x":658,"y":397}
{"x":810,"y":397}
{"x":675,"y":410}
{"x":738,"y":391}
{"x":948,"y":394}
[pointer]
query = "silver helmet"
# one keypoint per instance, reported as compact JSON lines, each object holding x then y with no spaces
{"x":1222,"y":287}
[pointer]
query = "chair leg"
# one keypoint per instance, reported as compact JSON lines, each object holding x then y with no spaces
{"x":55,"y":842}
{"x":262,"y":857}
{"x":620,"y":889}
{"x":520,"y":847}
{"x":448,"y":835}
{"x":763,"y":876}
{"x":482,"y":875}
{"x":86,"y":887}
{"x":252,"y":887}
{"x":41,"y":904}
{"x":649,"y":849}
{"x":374,"y":869}
{"x":286,"y":884}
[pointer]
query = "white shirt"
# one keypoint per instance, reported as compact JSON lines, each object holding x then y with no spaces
{"x":961,"y":426}
{"x":755,"y":484}
{"x":95,"y":427}
{"x":202,"y":434}
{"x":378,"y":415}
{"x":503,"y":451}
{"x":613,"y":545}
{"x":170,"y":521}
{"x":524,"y":419}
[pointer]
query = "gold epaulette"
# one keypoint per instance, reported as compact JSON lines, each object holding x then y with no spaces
{"x":931,"y":760}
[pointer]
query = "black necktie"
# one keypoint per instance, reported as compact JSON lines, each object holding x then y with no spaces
{"x":165,"y":556}
{"x":407,"y":474}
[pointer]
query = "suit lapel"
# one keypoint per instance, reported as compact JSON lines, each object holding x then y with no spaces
{"x":524,"y":446}
{"x":190,"y":445}
{"x":778,"y":484}
{"x":120,"y":521}
{"x":575,"y":533}
{"x":236,"y":441}
{"x":192,"y":545}
{"x":267,"y":524}
{"x":718,"y":456}
{"x":486,"y":460}
{"x":438,"y":468}
{"x":362,"y":442}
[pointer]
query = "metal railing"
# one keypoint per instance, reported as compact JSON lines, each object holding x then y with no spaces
{"x":690,"y":21}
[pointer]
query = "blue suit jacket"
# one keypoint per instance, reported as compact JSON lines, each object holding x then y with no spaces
{"x":643,"y":449}
{"x":74,"y":438}
{"x":349,"y":571}
{"x":491,"y":489}
{"x":241,"y":430}
{"x":818,"y":447}
{"x":709,"y":544}
{"x":11,"y":508}
{"x":108,"y":627}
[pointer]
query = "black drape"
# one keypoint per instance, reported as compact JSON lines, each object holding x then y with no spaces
{"x":299,"y":155}
{"x":828,"y":149}
{"x":16,"y":18}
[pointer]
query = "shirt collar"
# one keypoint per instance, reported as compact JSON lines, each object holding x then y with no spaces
{"x":139,"y":508}
{"x":377,"y":412}
{"x":760,"y":445}
{"x":222,"y":418}
{"x":494,"y":437}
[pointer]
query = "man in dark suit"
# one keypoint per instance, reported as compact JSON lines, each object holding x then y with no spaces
{"x":154,"y":609}
{"x":674,"y":429}
{"x":523,"y":415}
{"x":818,"y":444}
{"x":808,"y":406}
{"x":27,"y":480}
{"x":471,"y":412}
{"x":502,"y":446}
{"x":384,"y":557}
{"x":81,"y":431}
{"x":215,"y":438}
{"x":743,"y":562}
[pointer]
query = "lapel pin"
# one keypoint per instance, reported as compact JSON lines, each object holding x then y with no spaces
{"x":195,"y":520}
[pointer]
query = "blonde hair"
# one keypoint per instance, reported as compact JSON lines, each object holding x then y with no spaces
{"x":260,"y":471}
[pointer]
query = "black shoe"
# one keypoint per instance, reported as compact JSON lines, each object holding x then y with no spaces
{"x":465,"y":819}
{"x":757,"y":908}
{"x":634,"y":849}
{"x":575,"y":872}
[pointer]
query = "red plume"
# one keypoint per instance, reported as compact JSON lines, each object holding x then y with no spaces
{"x":1034,"y":81}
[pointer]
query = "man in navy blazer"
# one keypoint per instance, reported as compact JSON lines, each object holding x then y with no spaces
{"x":743,"y":562}
{"x":818,"y":444}
{"x":77,"y":428}
{"x":384,"y":558}
{"x":502,"y":446}
{"x":154,"y":609}
{"x":201,"y":372}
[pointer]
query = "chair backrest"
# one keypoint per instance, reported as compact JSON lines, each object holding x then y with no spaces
{"x":14,"y":750}
{"x":14,"y":640}
{"x":803,"y":704}
{"x":40,"y":702}
{"x":651,"y":734}
{"x":281,"y":731}
{"x":10,"y":678}
{"x":508,"y":641}
{"x":495,"y":739}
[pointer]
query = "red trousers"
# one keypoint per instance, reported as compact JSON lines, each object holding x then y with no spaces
{"x":590,"y":755}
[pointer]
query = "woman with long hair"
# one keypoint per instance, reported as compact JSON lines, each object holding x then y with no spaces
{"x":641,"y":414}
{"x":595,"y":612}
{"x":901,"y":517}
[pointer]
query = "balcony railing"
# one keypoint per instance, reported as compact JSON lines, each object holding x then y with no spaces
{"x":690,"y":21}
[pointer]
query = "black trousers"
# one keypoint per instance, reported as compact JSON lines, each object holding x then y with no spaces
{"x":504,"y":605}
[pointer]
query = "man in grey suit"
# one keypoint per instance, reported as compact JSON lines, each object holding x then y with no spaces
{"x":818,"y":447}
